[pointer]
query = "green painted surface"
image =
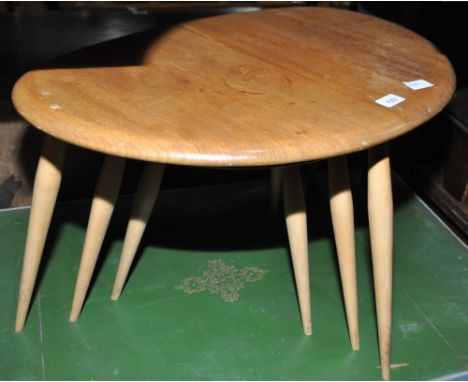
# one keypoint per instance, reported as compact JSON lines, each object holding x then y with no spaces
{"x":158,"y":331}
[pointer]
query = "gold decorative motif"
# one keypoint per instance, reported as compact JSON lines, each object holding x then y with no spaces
{"x":222,"y":279}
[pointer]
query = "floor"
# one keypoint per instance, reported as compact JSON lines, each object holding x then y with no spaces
{"x":212,"y":295}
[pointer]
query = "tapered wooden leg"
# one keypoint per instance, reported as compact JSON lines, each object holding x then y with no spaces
{"x":341,"y":206}
{"x":380,"y":207}
{"x":275,"y":189}
{"x":147,"y":192}
{"x":294,"y":207}
{"x":46,"y":186}
{"x":106,"y":193}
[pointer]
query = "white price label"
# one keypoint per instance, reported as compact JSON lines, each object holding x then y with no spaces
{"x":390,"y":100}
{"x":418,"y":84}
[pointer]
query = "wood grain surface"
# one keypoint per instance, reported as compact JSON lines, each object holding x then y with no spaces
{"x":263,"y":88}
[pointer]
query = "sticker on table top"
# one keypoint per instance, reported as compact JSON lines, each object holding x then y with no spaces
{"x":390,"y":100}
{"x":418,"y":84}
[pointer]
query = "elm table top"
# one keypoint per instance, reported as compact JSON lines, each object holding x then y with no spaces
{"x":251,"y":89}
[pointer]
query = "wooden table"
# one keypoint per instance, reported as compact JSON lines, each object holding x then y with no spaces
{"x":270,"y":88}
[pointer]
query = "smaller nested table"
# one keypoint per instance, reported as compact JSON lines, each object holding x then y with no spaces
{"x":270,"y":88}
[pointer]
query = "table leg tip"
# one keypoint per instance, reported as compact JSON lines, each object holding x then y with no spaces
{"x":355,"y":345}
{"x":73,"y":317}
{"x":386,"y":374}
{"x":115,"y":295}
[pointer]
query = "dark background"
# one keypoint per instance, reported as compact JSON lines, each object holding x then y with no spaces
{"x":431,"y":159}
